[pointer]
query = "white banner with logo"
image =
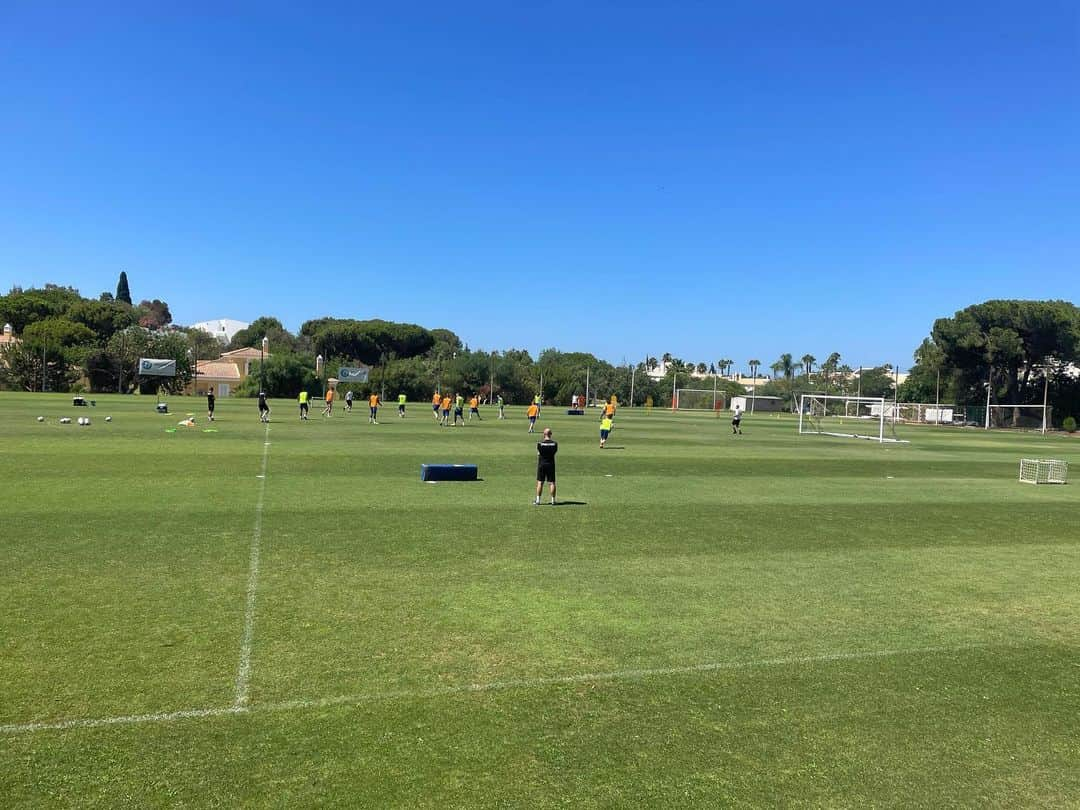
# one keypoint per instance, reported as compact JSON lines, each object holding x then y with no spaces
{"x":346,"y":374}
{"x":148,"y":367}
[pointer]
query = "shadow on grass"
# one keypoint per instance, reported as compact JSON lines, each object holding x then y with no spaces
{"x":612,"y":447}
{"x":570,"y":503}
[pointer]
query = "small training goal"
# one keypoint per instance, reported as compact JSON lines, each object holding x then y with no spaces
{"x":1018,"y":417}
{"x":699,"y":399}
{"x":869,"y":418}
{"x":1043,"y":471}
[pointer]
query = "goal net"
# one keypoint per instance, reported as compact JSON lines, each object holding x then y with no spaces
{"x":924,"y":413}
{"x":848,"y":417}
{"x":1018,"y":417}
{"x":1043,"y":471}
{"x":699,"y":399}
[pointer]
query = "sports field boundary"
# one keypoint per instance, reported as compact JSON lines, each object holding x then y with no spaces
{"x":489,"y":686}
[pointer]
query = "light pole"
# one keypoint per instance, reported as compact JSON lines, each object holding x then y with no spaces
{"x":319,"y":374}
{"x":262,"y":363}
{"x":193,"y":361}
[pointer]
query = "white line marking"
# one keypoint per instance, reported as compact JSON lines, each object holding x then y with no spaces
{"x":616,"y":675}
{"x":129,"y":719}
{"x":243,"y":674}
{"x":492,"y":686}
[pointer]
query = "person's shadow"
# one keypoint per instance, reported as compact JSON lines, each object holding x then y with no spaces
{"x":570,"y":503}
{"x":613,"y":447}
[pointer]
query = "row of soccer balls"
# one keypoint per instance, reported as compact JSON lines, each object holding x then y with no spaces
{"x":82,"y":420}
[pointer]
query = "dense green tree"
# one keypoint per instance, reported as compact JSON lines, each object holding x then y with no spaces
{"x":103,"y":318}
{"x":1006,"y":342}
{"x":123,"y":292}
{"x":279,"y":338}
{"x":285,"y":375}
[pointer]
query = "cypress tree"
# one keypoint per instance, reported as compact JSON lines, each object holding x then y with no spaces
{"x":122,"y":291}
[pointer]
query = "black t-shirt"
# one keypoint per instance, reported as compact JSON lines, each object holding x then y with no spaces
{"x":546,"y":450}
{"x":210,"y":401}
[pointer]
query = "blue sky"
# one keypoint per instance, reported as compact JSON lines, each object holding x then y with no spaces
{"x":707,"y":179}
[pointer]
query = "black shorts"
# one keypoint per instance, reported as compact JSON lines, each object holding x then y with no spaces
{"x":545,"y":472}
{"x":736,"y":420}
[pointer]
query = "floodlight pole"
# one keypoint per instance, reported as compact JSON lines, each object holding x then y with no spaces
{"x":588,"y":369}
{"x":633,"y":372}
{"x":989,"y":387}
{"x":262,"y":364}
{"x":319,"y":374}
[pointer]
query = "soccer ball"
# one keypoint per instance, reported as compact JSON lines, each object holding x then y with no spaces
{"x":108,"y":418}
{"x":81,"y":421}
{"x":65,"y":420}
{"x":41,"y":418}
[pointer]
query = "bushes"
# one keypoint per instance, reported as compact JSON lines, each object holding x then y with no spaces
{"x":1069,"y":424}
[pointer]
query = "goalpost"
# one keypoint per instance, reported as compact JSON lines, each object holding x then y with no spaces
{"x":1018,"y":417}
{"x":699,"y":399}
{"x":869,"y":418}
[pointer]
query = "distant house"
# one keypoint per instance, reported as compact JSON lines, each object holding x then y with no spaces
{"x":224,"y":375}
{"x":8,"y":337}
{"x":224,"y":329}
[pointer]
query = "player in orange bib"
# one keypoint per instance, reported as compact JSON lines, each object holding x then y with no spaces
{"x":373,"y":403}
{"x":444,"y":406}
{"x":532,"y":413}
{"x":435,"y":402}
{"x":474,"y":408}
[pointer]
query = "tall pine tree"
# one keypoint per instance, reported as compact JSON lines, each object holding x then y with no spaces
{"x":122,"y":291}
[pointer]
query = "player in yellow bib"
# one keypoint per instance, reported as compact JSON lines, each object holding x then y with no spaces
{"x":401,"y":405}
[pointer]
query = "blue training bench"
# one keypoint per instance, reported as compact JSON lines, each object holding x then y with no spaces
{"x":448,"y":472}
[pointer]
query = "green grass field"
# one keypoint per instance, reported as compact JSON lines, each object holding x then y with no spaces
{"x":289,"y":617}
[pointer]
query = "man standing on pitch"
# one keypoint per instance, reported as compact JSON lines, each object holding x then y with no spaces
{"x":546,"y":449}
{"x":736,"y":419}
{"x":401,"y":405}
{"x":264,"y":408}
{"x":303,"y":406}
{"x":210,"y":404}
{"x":373,"y":404}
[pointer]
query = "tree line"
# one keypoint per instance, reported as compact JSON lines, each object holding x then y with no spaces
{"x":1020,"y":350}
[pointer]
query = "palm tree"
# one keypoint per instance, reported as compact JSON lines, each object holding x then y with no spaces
{"x":829,"y":367}
{"x":776,"y":367}
{"x":651,"y":364}
{"x":754,"y":366}
{"x":808,"y":361}
{"x":666,"y":359}
{"x":845,"y":371}
{"x":702,"y":368}
{"x":787,"y":365}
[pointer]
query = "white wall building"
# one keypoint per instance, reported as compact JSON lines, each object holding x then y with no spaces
{"x":223,"y":329}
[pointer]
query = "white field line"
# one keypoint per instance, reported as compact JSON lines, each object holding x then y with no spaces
{"x":491,"y":686}
{"x":243,"y":673}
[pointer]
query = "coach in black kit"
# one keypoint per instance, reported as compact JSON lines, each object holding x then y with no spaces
{"x":546,"y":449}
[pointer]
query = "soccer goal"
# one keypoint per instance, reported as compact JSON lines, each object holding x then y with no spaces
{"x":699,"y":399}
{"x":1043,"y":471}
{"x":927,"y":413}
{"x":847,"y":417}
{"x":1018,"y":417}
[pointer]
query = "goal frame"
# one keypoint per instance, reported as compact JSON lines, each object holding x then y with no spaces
{"x":995,"y":407}
{"x":880,"y":404}
{"x":717,"y":396}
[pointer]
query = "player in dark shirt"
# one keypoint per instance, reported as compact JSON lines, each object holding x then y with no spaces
{"x":210,"y":405}
{"x":546,"y":449}
{"x":264,"y":408}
